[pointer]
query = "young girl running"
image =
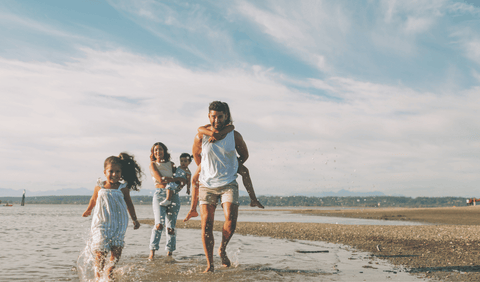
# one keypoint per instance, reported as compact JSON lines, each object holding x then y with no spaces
{"x":162,"y":169}
{"x":111,"y":200}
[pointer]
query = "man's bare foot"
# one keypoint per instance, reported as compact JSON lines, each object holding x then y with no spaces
{"x":223,"y":256}
{"x":169,"y":254}
{"x":191,"y":213}
{"x":152,"y":254}
{"x":256,"y":204}
{"x":209,"y":269}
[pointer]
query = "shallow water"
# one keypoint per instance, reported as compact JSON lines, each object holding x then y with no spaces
{"x":43,"y":243}
{"x":270,"y":215}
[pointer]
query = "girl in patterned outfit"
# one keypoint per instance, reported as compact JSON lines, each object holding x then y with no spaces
{"x":112,"y":203}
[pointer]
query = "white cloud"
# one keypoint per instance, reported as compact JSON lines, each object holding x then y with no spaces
{"x":476,"y":75}
{"x":13,"y":20}
{"x":462,"y":7}
{"x":468,"y":40}
{"x":308,"y":28}
{"x":473,"y":50}
{"x":181,"y":24}
{"x":65,"y":119}
{"x":418,"y":25}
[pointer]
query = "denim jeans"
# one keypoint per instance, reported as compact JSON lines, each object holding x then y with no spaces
{"x":167,"y":216}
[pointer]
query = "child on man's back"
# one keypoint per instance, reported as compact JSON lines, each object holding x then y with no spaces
{"x":242,"y":169}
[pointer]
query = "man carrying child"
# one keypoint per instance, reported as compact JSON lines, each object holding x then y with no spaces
{"x":218,"y":165}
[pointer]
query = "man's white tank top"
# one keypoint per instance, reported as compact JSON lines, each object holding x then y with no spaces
{"x":219,"y":161}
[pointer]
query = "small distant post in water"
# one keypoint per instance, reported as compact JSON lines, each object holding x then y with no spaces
{"x":23,"y":198}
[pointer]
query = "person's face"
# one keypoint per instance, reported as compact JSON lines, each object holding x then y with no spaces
{"x":217,"y":119}
{"x":158,"y":153}
{"x":184,"y":162}
{"x":113,"y":172}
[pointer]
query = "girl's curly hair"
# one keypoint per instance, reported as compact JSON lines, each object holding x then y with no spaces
{"x":131,"y":170}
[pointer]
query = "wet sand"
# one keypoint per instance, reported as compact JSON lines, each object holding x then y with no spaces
{"x":448,"y":250}
{"x":450,"y":215}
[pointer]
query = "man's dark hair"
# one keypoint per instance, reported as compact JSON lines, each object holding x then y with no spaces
{"x":221,"y":107}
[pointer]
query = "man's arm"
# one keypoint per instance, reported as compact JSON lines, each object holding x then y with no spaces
{"x":241,"y":148}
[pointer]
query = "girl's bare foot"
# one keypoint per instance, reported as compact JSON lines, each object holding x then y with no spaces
{"x":152,"y":254}
{"x":256,"y":203}
{"x":191,"y":213}
{"x":223,"y":256}
{"x":111,"y":277}
{"x":209,"y":269}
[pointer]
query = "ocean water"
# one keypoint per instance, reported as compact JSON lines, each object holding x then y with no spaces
{"x":47,"y":243}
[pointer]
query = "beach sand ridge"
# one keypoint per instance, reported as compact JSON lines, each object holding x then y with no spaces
{"x":443,"y":250}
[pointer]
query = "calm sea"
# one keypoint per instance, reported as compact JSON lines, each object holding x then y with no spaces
{"x":47,"y":242}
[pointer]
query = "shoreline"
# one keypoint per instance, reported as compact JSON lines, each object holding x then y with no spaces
{"x":445,"y":251}
{"x":467,"y":215}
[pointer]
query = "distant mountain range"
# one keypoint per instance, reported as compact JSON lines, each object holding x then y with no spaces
{"x":4,"y":192}
{"x":62,"y":192}
{"x":344,"y":193}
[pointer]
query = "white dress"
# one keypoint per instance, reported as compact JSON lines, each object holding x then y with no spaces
{"x":110,"y":219}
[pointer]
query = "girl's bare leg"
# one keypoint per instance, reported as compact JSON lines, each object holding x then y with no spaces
{"x":193,"y":207}
{"x":116,"y":253}
{"x":247,"y":182}
{"x":99,"y":263}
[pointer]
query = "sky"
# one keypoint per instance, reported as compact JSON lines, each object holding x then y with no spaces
{"x":328,"y":95}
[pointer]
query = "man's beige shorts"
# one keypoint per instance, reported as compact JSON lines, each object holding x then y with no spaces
{"x":227,"y":193}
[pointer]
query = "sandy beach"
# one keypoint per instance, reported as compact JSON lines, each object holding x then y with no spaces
{"x":448,"y":250}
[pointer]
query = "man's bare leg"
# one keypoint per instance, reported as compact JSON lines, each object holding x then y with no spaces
{"x":208,"y":217}
{"x":231,"y":214}
{"x":247,"y":182}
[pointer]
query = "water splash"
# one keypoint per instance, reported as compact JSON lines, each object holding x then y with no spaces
{"x":86,"y":263}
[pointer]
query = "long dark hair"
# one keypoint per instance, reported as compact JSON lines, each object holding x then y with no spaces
{"x":131,"y":170}
{"x":166,"y":154}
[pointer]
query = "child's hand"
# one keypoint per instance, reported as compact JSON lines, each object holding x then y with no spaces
{"x":167,"y":179}
{"x":212,"y":139}
{"x":86,"y":213}
{"x":136,"y":224}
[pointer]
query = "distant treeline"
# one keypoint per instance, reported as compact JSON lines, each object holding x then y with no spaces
{"x":274,"y":201}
